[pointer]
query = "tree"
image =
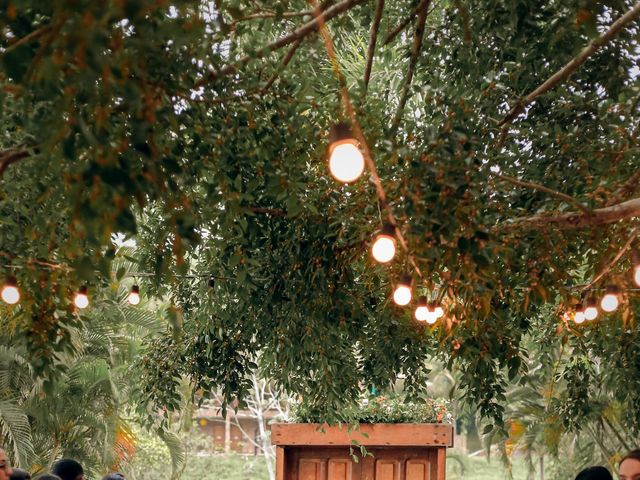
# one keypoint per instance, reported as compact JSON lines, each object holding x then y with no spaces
{"x":505,"y":152}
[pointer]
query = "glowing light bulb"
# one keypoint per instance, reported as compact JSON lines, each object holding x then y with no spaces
{"x":611,"y":301}
{"x":134,"y":296}
{"x":384,"y":246}
{"x":402,"y":293}
{"x":422,"y":310}
{"x":81,"y":300}
{"x":10,"y":293}
{"x":346,"y":162}
{"x":439,"y":311}
{"x":591,"y":311}
{"x":636,"y":275}
{"x":579,"y":317}
{"x":433,"y":313}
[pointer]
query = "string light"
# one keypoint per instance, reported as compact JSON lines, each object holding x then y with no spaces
{"x":134,"y":296}
{"x":611,"y":301}
{"x":81,"y":299}
{"x":346,"y":162}
{"x":433,"y":314}
{"x":578,"y":316}
{"x":636,"y":268}
{"x":384,"y":246}
{"x":10,"y":293}
{"x":439,"y":311}
{"x":402,"y":293}
{"x":422,"y":310}
{"x":591,"y":310}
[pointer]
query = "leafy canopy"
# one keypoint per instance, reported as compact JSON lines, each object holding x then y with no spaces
{"x":173,"y":125}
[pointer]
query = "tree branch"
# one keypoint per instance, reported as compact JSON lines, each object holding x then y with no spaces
{"x":7,"y":158}
{"x":575,"y":220}
{"x":615,"y":260}
{"x":297,"y":34}
{"x":566,"y":71}
{"x":536,"y":186}
{"x":396,"y":31}
{"x":628,"y":188}
{"x":288,"y":57}
{"x":415,"y":53}
{"x":373,"y":38}
{"x":268,"y":211}
{"x":262,"y":15}
{"x":27,"y":38}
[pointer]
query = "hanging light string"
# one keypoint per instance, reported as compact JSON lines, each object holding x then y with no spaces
{"x":357,"y":130}
{"x":10,"y":291}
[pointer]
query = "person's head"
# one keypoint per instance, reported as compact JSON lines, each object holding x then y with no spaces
{"x":68,"y":469}
{"x":630,"y":466}
{"x":114,"y":476}
{"x":594,"y":473}
{"x":20,"y":474}
{"x":5,"y":468}
{"x":47,"y":476}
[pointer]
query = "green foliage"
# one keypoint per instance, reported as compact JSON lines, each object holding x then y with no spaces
{"x":383,"y":409}
{"x":122,"y":128}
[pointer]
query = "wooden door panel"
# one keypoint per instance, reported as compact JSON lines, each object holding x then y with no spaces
{"x":387,"y":470}
{"x":339,"y":469}
{"x":417,"y":470}
{"x":310,"y":469}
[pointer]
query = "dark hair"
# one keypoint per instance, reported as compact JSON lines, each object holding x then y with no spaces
{"x":67,"y":469}
{"x":47,"y":476}
{"x":19,"y":474}
{"x":632,"y":455}
{"x":114,"y":476}
{"x":594,"y":473}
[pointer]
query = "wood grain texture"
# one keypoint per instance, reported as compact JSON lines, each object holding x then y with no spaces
{"x":406,"y":434}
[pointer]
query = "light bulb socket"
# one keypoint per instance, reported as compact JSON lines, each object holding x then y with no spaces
{"x":613,"y":290}
{"x":212,"y":282}
{"x":432,"y":306}
{"x":135,"y":289}
{"x":405,"y":280}
{"x":83,"y":290}
{"x":422,"y":301}
{"x":340,"y":132}
{"x":388,"y":230}
{"x":591,"y":303}
{"x":11,"y":281}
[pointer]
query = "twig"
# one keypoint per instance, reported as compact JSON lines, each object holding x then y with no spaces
{"x":11,"y":157}
{"x":357,"y":130}
{"x":288,"y":57}
{"x":269,"y":211}
{"x":415,"y":53}
{"x":262,"y":15}
{"x":628,"y":188}
{"x":575,"y":220}
{"x":566,"y":71}
{"x":26,"y":39}
{"x":373,"y":38}
{"x":616,"y":259}
{"x":297,"y":34}
{"x":536,"y":186}
{"x":394,"y":33}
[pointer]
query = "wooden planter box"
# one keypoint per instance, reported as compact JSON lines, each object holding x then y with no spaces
{"x":407,"y":451}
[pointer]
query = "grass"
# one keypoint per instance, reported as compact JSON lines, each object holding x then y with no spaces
{"x":461,"y":467}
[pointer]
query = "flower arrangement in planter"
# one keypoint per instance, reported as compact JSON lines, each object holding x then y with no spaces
{"x":384,"y":409}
